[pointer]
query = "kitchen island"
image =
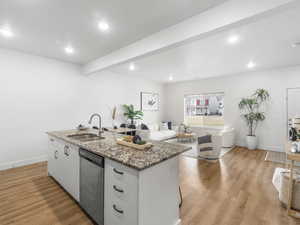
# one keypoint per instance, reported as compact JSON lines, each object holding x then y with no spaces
{"x":140,"y":187}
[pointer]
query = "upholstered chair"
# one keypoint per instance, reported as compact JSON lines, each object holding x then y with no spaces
{"x":209,"y":146}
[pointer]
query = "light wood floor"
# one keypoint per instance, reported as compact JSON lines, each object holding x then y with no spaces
{"x":237,"y":190}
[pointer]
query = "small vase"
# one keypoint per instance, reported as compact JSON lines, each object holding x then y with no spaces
{"x":251,"y":142}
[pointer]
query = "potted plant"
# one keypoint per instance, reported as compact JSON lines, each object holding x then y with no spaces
{"x":251,"y":109}
{"x":132,"y":114}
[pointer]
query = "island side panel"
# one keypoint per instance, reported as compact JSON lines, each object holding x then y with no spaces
{"x":159,"y":194}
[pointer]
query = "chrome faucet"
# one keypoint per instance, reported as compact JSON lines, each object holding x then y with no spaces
{"x":100,"y":127}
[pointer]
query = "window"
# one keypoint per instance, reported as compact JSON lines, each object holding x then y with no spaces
{"x":204,"y":109}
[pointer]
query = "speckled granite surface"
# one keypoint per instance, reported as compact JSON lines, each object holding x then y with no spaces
{"x":136,"y":159}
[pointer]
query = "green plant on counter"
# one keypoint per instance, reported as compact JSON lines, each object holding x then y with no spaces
{"x":132,"y":114}
{"x":251,"y":109}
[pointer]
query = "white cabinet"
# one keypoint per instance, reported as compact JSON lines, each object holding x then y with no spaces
{"x":131,"y":197}
{"x":54,"y":158}
{"x":121,"y":194}
{"x":147,"y":197}
{"x":71,"y":170}
{"x":63,"y":165}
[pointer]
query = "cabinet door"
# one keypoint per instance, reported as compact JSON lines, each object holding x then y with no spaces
{"x":63,"y":165}
{"x":71,"y":170}
{"x":53,"y":158}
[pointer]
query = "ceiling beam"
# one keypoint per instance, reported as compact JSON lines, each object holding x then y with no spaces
{"x":219,"y":17}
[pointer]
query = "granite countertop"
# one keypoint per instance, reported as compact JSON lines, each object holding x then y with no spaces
{"x":128,"y":156}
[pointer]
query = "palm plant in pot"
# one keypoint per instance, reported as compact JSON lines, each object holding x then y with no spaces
{"x":132,"y":114}
{"x":251,"y":108}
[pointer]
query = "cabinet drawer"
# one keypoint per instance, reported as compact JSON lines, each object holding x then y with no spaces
{"x":120,"y":214}
{"x":120,"y":173}
{"x":120,"y":191}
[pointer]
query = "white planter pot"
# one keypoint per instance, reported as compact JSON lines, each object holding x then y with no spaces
{"x":251,"y":142}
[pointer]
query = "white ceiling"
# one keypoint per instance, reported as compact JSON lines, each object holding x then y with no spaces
{"x":267,"y":42}
{"x":45,"y":27}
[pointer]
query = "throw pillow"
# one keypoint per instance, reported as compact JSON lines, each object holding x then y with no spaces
{"x":205,"y":143}
{"x":144,"y":127}
{"x":164,"y":126}
{"x":170,"y":125}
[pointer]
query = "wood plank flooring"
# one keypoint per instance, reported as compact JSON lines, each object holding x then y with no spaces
{"x":235,"y":191}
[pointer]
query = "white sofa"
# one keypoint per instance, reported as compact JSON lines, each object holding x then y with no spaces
{"x":228,"y":137}
{"x":156,"y":133}
{"x":227,"y":133}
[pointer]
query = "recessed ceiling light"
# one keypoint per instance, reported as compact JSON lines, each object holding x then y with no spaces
{"x":251,"y":65}
{"x":6,"y":32}
{"x":171,"y":78}
{"x":131,"y":67}
{"x":69,"y":50}
{"x":102,"y":25}
{"x":233,"y":39}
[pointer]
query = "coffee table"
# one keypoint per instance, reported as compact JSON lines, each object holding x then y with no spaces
{"x":186,"y":137}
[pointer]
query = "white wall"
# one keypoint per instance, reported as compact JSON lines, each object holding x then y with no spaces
{"x":272,"y":133}
{"x":106,"y":90}
{"x":39,"y":95}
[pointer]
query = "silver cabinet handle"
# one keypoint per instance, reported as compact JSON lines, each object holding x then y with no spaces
{"x":118,"y":210}
{"x":118,"y":189}
{"x":66,"y":150}
{"x":118,"y":172}
{"x":55,"y":154}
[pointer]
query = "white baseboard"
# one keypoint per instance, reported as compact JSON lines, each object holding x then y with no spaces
{"x":272,"y":148}
{"x":178,"y":222}
{"x":5,"y":166}
{"x":14,"y":164}
{"x":264,"y":147}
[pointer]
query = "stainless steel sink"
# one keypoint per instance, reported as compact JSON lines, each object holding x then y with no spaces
{"x":85,"y":137}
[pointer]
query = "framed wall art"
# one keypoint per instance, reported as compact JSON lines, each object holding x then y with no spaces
{"x":149,"y":101}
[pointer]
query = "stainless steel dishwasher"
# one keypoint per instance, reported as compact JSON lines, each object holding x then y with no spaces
{"x":92,"y":185}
